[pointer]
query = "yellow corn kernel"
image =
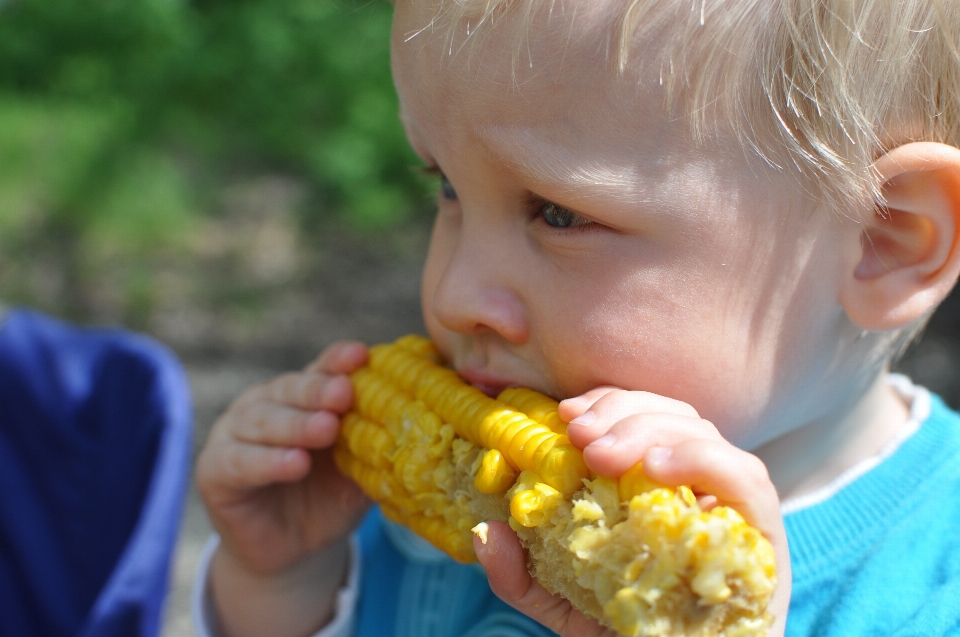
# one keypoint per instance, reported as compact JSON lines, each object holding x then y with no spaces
{"x":634,"y":482}
{"x":532,"y":506}
{"x":380,"y":486}
{"x":442,"y":458}
{"x":494,"y":474}
{"x":368,"y":439}
{"x":420,"y":346}
{"x":535,"y":405}
{"x":488,"y":423}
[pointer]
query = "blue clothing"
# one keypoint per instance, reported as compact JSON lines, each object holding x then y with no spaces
{"x":428,"y":598}
{"x":880,"y":557}
{"x":95,"y":429}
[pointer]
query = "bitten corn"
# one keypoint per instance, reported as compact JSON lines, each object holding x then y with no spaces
{"x":441,"y":458}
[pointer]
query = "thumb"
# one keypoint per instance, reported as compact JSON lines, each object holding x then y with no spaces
{"x":504,"y":559}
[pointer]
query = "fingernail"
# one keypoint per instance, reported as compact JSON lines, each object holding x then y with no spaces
{"x":289,"y":455}
{"x":585,"y":419}
{"x":657,"y":456}
{"x":605,"y":441}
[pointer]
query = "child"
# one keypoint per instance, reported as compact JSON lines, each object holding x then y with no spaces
{"x":709,"y":230}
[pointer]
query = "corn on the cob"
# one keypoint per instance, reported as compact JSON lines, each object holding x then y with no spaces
{"x":441,"y":458}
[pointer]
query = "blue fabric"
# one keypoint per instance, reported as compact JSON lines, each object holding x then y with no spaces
{"x":882,"y":556}
{"x":95,"y":429}
{"x":407,"y":598}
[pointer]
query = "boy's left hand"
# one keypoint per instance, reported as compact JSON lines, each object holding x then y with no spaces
{"x":617,"y":429}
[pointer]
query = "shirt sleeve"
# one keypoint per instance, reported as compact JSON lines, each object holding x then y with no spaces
{"x":343,"y":624}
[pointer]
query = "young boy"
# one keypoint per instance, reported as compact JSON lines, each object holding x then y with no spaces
{"x":709,"y":229}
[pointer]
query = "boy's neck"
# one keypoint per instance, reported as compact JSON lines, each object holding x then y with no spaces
{"x":812,"y":456}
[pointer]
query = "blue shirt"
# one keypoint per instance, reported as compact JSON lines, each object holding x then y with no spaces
{"x":882,"y":555}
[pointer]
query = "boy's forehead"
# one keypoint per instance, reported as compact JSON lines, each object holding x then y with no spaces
{"x":556,"y":76}
{"x":520,"y":53}
{"x":557,"y":110}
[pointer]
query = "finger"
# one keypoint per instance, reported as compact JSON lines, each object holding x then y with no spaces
{"x":340,"y":358}
{"x":503,"y":558}
{"x":573,"y":407}
{"x":614,"y":406}
{"x":272,"y":424}
{"x":707,"y":502}
{"x":309,"y":391}
{"x":624,"y":444}
{"x":242,"y":466}
{"x":736,"y":478}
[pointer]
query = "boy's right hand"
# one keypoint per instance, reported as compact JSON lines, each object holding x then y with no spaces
{"x":266,"y":473}
{"x":616,"y":429}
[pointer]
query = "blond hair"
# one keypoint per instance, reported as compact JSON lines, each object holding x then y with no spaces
{"x":822,"y":87}
{"x":825,"y":86}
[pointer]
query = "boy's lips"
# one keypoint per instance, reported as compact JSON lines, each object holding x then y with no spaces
{"x":488,"y":383}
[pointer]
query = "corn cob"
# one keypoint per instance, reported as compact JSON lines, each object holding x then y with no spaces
{"x":441,"y":458}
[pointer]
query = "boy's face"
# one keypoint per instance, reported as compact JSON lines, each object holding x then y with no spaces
{"x":585,"y":239}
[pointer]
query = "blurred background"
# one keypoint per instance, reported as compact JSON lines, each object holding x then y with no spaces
{"x":231,"y":178}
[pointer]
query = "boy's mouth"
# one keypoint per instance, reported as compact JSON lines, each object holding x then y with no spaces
{"x":489,"y":384}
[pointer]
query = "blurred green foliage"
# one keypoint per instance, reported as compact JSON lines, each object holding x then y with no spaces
{"x":120,"y":120}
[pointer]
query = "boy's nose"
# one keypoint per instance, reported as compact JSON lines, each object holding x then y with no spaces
{"x":476,"y":294}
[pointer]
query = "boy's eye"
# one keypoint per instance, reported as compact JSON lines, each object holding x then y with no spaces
{"x":446,"y":188}
{"x":559,"y":217}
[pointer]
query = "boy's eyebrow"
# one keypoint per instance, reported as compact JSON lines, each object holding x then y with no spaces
{"x":662,"y":189}
{"x":539,"y":161}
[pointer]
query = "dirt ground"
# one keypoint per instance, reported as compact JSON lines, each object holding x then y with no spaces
{"x":359,"y":288}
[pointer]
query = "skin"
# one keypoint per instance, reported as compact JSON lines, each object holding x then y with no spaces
{"x":701,"y":315}
{"x":282,"y":509}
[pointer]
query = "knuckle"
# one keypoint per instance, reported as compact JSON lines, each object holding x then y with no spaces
{"x":317,"y":384}
{"x":640,"y":395}
{"x":248,"y":422}
{"x":610,"y":400}
{"x":756,"y":472}
{"x":556,"y":613}
{"x":689,"y":410}
{"x":260,"y":427}
{"x":634,"y":428}
{"x":255,"y":394}
{"x":711,"y":429}
{"x":298,"y":427}
{"x":280,"y":387}
{"x":617,"y":396}
{"x":246,"y":466}
{"x":205,"y":477}
{"x":330,"y":355}
{"x":646,"y":426}
{"x":233,"y":466}
{"x":645,"y":397}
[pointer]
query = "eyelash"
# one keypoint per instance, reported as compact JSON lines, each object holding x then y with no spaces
{"x":446,"y":188}
{"x":543,"y":207}
{"x":538,"y":204}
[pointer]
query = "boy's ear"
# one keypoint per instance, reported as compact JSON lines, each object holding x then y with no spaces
{"x":910,"y":255}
